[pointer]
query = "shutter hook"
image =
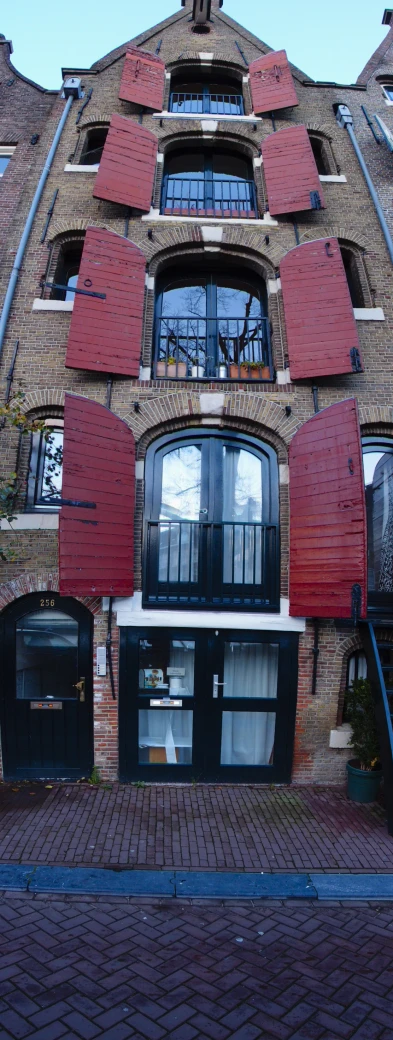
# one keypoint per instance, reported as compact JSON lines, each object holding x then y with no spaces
{"x":329,"y":252}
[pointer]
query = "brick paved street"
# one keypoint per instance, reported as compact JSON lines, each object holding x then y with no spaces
{"x":199,"y":827}
{"x":79,"y":969}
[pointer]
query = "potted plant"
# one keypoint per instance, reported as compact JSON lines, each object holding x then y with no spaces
{"x":364,"y":770}
{"x":172,"y":368}
{"x":223,"y":370}
{"x":238,"y":372}
{"x":197,"y":370}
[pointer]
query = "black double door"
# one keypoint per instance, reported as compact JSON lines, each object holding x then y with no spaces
{"x":207,"y":705}
{"x":47,"y":697}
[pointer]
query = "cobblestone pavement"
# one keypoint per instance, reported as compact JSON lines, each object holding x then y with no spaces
{"x":79,"y":969}
{"x":200,"y":827}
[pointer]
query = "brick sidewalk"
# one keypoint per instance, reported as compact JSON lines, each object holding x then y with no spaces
{"x":199,"y":827}
{"x":79,"y":969}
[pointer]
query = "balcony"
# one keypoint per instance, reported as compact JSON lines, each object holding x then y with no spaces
{"x":211,"y":564}
{"x":213,"y":348}
{"x":206,"y":103}
{"x":225,"y":197}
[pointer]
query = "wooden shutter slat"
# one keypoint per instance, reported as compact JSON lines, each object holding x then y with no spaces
{"x":96,"y":546}
{"x":320,"y":324}
{"x":328,"y":544}
{"x":271,"y":83}
{"x":290,"y":171}
{"x":143,"y":79}
{"x":127,"y":167}
{"x":106,"y":335}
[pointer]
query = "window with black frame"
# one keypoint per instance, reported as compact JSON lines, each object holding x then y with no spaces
{"x":198,"y":94}
{"x":211,"y":531}
{"x":45,"y":470}
{"x":378,"y":478}
{"x":66,"y":272}
{"x":208,"y":183}
{"x":351,"y":266}
{"x":211,"y":326}
{"x":93,"y":146}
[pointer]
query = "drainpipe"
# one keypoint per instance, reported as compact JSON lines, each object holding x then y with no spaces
{"x":71,"y":89}
{"x":344,"y":119}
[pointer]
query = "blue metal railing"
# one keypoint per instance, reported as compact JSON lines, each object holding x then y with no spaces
{"x":213,"y":348}
{"x":200,"y":104}
{"x":216,"y":198}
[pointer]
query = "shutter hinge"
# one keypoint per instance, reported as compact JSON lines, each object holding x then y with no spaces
{"x":328,"y":250}
{"x":277,"y":72}
{"x":315,"y":200}
{"x":356,"y":603}
{"x":70,"y":502}
{"x":70,"y":288}
{"x":356,"y":363}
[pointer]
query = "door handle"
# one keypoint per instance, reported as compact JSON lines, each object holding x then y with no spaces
{"x":80,"y":686}
{"x":216,"y":684}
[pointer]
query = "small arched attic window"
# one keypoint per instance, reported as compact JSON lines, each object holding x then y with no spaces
{"x":323,"y":154}
{"x":199,"y":91}
{"x":355,"y":274}
{"x":64,"y":267}
{"x":93,"y":145}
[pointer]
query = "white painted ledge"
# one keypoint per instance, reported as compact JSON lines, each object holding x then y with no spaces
{"x":161,"y":218}
{"x":139,"y":469}
{"x":202,"y":117}
{"x":283,"y":470}
{"x":32,"y":522}
{"x":53,"y":305}
{"x":388,"y":101}
{"x":369,"y":314}
{"x":283,"y":376}
{"x":131,"y":613}
{"x":70,"y":168}
{"x":333,"y":178}
{"x":145,"y":374}
{"x":341,"y":737}
{"x":273,"y":285}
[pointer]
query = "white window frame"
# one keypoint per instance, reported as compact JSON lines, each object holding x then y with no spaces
{"x":385,"y":87}
{"x":6,"y":151}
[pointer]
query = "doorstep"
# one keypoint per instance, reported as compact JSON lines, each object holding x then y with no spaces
{"x":181,"y":884}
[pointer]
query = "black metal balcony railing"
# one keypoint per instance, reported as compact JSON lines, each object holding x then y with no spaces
{"x":215,"y":198}
{"x":206,"y":563}
{"x":212,"y":104}
{"x":213,"y":348}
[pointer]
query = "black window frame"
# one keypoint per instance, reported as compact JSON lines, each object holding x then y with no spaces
{"x":195,"y":84}
{"x":87,"y":150}
{"x":350,"y":259}
{"x":221,"y":197}
{"x":67,"y":265}
{"x":209,"y":593}
{"x":35,"y":501}
{"x":378,"y":603}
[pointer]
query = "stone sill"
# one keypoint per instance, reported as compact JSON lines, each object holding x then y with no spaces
{"x":206,"y":117}
{"x":368,"y":314}
{"x":32,"y":522}
{"x":341,"y":736}
{"x":158,"y":218}
{"x":53,"y":305}
{"x":70,"y":168}
{"x":332,"y":178}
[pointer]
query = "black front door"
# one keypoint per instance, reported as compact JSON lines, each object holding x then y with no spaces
{"x":203,"y":705}
{"x":47,"y":702}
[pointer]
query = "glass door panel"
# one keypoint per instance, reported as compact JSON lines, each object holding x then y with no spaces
{"x":247,"y":738}
{"x":242,"y":517}
{"x":250,"y":670}
{"x":166,"y":679}
{"x":180,"y":505}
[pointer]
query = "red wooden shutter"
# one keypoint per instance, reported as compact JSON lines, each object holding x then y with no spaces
{"x":271,"y":83}
{"x":327,"y":514}
{"x":96,"y":546}
{"x":127,"y":166}
{"x":290,"y":169}
{"x":320,"y":324}
{"x":143,"y":79}
{"x":105,"y":335}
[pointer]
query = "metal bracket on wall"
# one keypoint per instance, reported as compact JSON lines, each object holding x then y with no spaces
{"x":69,"y":288}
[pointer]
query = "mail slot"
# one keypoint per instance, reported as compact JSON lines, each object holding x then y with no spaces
{"x":52,"y":705}
{"x":165,"y":703}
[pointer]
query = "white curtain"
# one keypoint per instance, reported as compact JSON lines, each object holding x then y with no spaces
{"x":167,"y":728}
{"x":242,"y":502}
{"x":182,"y":655}
{"x":250,"y":670}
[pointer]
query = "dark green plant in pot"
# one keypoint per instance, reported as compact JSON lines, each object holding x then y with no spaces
{"x":364,"y":771}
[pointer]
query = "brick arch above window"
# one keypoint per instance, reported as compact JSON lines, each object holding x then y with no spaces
{"x":41,"y":581}
{"x":65,"y":227}
{"x":184,"y":241}
{"x":93,"y":117}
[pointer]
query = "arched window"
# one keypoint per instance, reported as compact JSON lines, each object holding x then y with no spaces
{"x":211,"y":537}
{"x":93,"y":145}
{"x":46,"y":468}
{"x":322,"y":154}
{"x":351,"y":265}
{"x":211,"y":324}
{"x":195,"y":92}
{"x":65,"y":265}
{"x":378,"y":476}
{"x":356,"y":667}
{"x":203,"y":182}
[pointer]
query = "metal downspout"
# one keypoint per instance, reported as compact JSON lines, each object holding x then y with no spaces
{"x":32,"y":212}
{"x":344,"y":118}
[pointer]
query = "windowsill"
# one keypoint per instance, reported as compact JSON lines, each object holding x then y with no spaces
{"x":341,"y":736}
{"x":369,"y":314}
{"x":202,"y":116}
{"x":130,"y":612}
{"x":157,"y":217}
{"x":32,"y":522}
{"x":387,"y":101}
{"x":70,"y":168}
{"x":52,"y":305}
{"x":332,"y":178}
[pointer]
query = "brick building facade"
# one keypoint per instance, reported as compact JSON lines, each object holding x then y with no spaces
{"x":241,"y":229}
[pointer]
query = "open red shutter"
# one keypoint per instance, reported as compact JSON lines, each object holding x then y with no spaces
{"x":105,"y":335}
{"x":291,"y":174}
{"x":327,"y":514}
{"x":127,"y":166}
{"x":321,"y":328}
{"x":271,"y":83}
{"x":143,"y":79}
{"x":96,"y":546}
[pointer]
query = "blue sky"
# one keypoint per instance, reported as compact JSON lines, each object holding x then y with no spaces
{"x":329,"y":41}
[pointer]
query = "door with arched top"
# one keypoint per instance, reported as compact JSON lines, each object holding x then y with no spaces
{"x":47,"y":698}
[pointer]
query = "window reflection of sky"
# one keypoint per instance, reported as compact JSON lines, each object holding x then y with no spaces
{"x":370,"y":461}
{"x":190,"y":300}
{"x":181,"y":484}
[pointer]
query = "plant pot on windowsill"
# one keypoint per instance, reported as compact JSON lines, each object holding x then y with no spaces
{"x":170,"y":370}
{"x":364,"y":772}
{"x":238,"y":371}
{"x":197,"y":371}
